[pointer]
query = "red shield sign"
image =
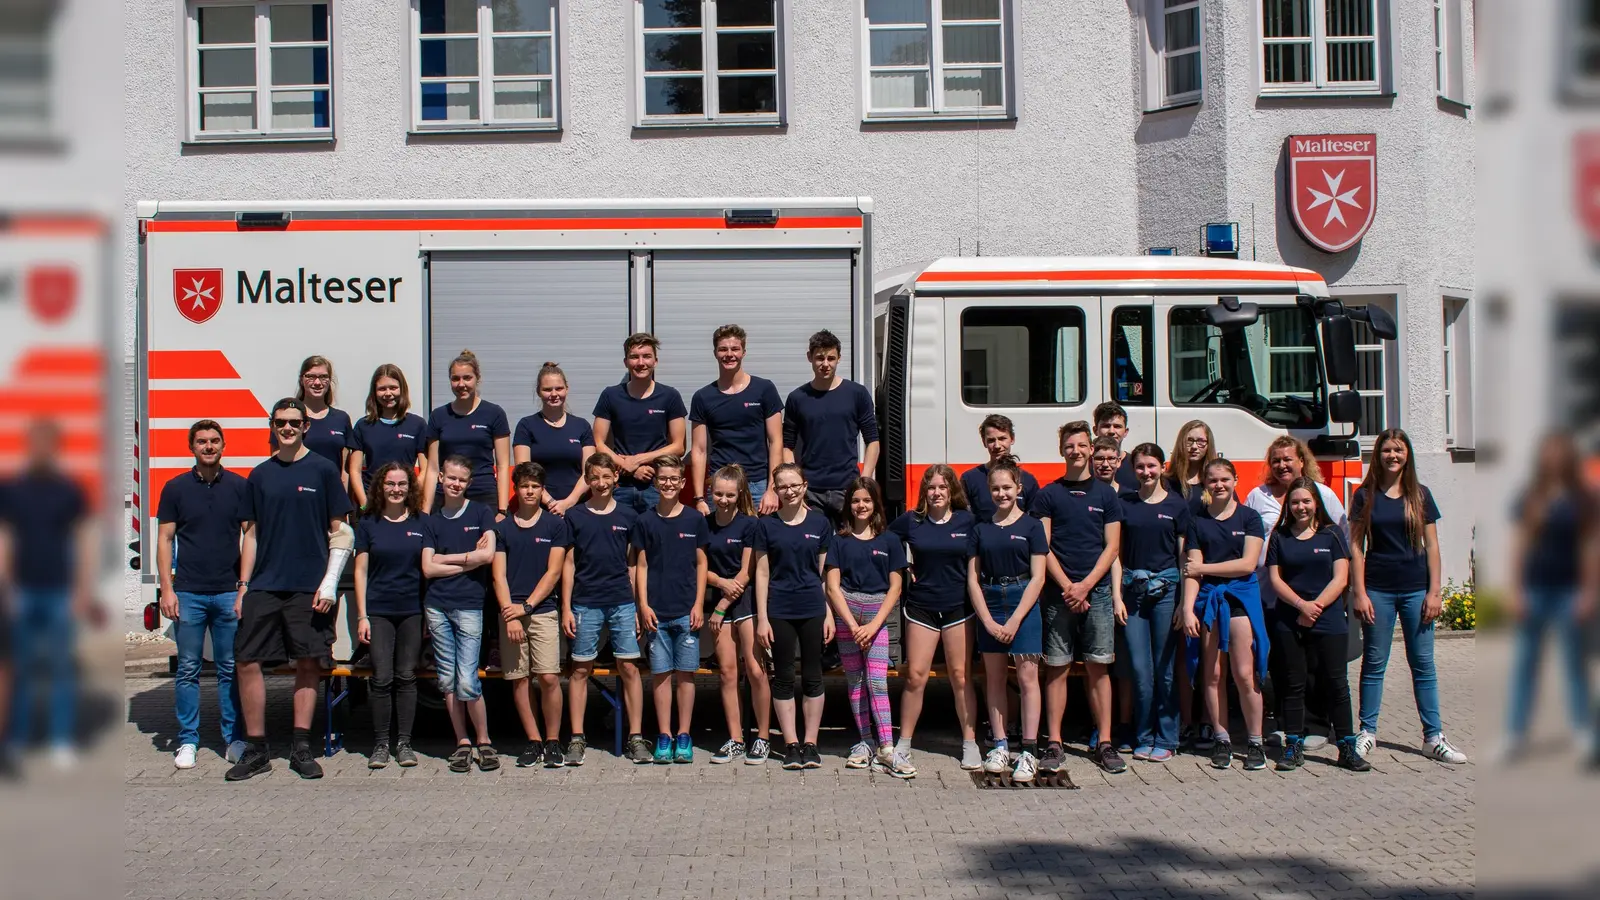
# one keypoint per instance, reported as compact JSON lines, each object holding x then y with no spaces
{"x":197,"y":293}
{"x":1333,"y":187}
{"x":52,"y":292}
{"x":1586,"y":182}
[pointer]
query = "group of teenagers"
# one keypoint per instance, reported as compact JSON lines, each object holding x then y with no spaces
{"x":743,"y":520}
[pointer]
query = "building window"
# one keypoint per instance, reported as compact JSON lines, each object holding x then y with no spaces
{"x":1372,"y":381}
{"x":1173,"y":58}
{"x":1449,"y":51}
{"x":26,"y":75}
{"x":1457,"y":373}
{"x":1582,"y":46}
{"x":1310,"y":46}
{"x":936,"y":57}
{"x":484,"y":64}
{"x":709,"y":61}
{"x":259,"y":70}
{"x":1022,"y":356}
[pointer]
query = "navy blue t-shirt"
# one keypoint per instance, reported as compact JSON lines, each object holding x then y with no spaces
{"x":559,"y":450}
{"x":460,"y":535}
{"x":527,"y":551}
{"x":975,"y":482}
{"x":822,"y":426}
{"x":1223,"y":540}
{"x":600,"y":555}
{"x":671,"y":555}
{"x":207,"y":513}
{"x":1150,"y":531}
{"x":794,"y":584}
{"x":1550,"y":558}
{"x":44,"y":510}
{"x":725,"y":552}
{"x":1007,"y":551}
{"x":473,"y":436}
{"x":1078,"y":512}
{"x":1125,"y":478}
{"x":864,"y":565}
{"x":1392,"y":564}
{"x":381,"y":443}
{"x":292,"y":505}
{"x":327,"y":437}
{"x":394,"y":564}
{"x":736,"y":425}
{"x":938,"y":558}
{"x":1307,"y":567}
{"x":639,"y":426}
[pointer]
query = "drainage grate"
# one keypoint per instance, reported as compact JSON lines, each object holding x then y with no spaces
{"x":1060,"y":780}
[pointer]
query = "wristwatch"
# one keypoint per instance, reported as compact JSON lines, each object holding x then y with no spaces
{"x":240,"y":584}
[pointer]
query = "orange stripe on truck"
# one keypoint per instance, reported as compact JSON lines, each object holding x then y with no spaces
{"x":518,"y":224}
{"x":215,"y":404}
{"x":45,"y":403}
{"x":189,"y":364}
{"x":1124,"y":275}
{"x":61,"y":361}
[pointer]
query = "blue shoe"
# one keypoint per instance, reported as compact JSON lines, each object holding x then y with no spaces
{"x":684,"y":753}
{"x":663,"y":754}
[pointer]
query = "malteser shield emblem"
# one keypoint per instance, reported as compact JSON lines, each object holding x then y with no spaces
{"x":1333,"y":187}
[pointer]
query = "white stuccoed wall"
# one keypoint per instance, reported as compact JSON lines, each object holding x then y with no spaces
{"x":1082,"y":171}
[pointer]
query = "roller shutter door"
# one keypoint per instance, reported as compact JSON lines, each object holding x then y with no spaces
{"x":515,"y":311}
{"x":779,"y":297}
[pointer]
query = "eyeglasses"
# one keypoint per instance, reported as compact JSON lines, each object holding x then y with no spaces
{"x":1197,"y":442}
{"x":288,"y":423}
{"x":670,"y":479}
{"x":790,"y":488}
{"x":316,"y":379}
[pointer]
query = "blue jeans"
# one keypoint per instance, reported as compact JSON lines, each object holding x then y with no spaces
{"x":44,"y":641}
{"x":1152,"y":648}
{"x":638,"y":499}
{"x":1378,"y":640}
{"x":675,"y":647}
{"x":619,"y":622}
{"x":198,"y":613}
{"x":457,"y":639}
{"x":1548,"y":609}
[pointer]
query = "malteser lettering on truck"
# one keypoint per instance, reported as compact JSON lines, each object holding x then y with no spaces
{"x":313,"y":287}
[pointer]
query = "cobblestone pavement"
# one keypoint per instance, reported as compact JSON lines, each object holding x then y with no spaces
{"x":614,"y":830}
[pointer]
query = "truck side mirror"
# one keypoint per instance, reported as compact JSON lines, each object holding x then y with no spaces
{"x":1229,"y":313}
{"x":1339,"y":350}
{"x":1383,"y":324}
{"x":1344,"y":407}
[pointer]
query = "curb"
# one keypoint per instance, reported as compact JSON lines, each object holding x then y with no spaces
{"x":147,"y":666}
{"x":1442,"y":635}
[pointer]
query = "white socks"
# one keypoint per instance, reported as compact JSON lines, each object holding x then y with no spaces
{"x":340,"y":546}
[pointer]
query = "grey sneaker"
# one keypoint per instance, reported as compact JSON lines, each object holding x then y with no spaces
{"x":639,"y":750}
{"x":859,"y":757}
{"x":379,"y":758}
{"x":900,"y":765}
{"x":1108,"y":758}
{"x":235,"y":751}
{"x":1313,"y":742}
{"x":1053,"y":758}
{"x":971,"y":756}
{"x":403,"y":754}
{"x":575,"y":749}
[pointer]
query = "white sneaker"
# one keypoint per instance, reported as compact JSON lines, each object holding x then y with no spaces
{"x":860,"y":756}
{"x":235,"y":751}
{"x":998,"y":760}
{"x":1313,"y":742}
{"x":184,"y":758}
{"x":1440,"y":749}
{"x":900,"y":765}
{"x":1026,"y":768}
{"x":1365,"y":742}
{"x":971,"y":756}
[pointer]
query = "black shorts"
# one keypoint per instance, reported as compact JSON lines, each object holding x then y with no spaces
{"x":281,"y":625}
{"x":937,"y":620}
{"x":738,"y":610}
{"x":1236,"y":609}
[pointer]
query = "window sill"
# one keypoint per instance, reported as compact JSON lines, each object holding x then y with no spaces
{"x":1311,"y":93}
{"x":1169,"y":107}
{"x":425,"y":130}
{"x":901,"y":118}
{"x":1451,"y":104}
{"x":231,"y":140}
{"x":698,"y":123}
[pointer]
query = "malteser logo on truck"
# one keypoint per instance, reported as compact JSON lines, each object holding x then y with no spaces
{"x":198,"y":292}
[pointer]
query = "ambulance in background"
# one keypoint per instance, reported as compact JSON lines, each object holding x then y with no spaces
{"x":1256,"y":350}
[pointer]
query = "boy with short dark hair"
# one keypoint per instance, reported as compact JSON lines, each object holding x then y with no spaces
{"x":637,"y":421}
{"x":1111,"y":421}
{"x":669,"y":544}
{"x":822,"y":422}
{"x":530,"y":553}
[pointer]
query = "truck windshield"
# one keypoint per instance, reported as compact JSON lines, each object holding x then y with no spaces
{"x":1270,"y":368}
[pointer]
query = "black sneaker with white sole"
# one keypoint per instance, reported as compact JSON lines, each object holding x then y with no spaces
{"x":531,"y":755}
{"x":255,"y":761}
{"x":304,"y":764}
{"x":1109,"y":759}
{"x":793,"y":758}
{"x":809,"y":756}
{"x":758,"y":751}
{"x":1053,"y":758}
{"x":1255,"y":757}
{"x":553,"y":757}
{"x":1221,"y":754}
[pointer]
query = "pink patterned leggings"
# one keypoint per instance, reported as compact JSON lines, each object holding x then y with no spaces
{"x":866,"y":670}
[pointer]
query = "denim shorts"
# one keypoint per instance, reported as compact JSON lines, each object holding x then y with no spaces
{"x":675,"y":647}
{"x":1002,"y":600}
{"x":617,"y":622}
{"x":457,"y":638}
{"x":1089,"y":636}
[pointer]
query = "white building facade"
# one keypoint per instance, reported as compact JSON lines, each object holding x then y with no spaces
{"x":992,"y":127}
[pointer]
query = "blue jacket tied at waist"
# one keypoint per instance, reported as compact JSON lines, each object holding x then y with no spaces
{"x":1211,"y":608}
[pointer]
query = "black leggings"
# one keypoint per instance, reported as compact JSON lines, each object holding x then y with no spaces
{"x":396,"y":651}
{"x":786,"y":633}
{"x":1296,"y":651}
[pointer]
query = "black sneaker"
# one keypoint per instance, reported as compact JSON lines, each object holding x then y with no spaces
{"x":1294,"y":755}
{"x":403,"y":754}
{"x":379,"y":758}
{"x":302,"y":763}
{"x":1053,"y":758}
{"x":809,"y":756}
{"x":1255,"y":757}
{"x":757,"y":752}
{"x":488,"y":758}
{"x":1221,"y":754}
{"x":461,"y":758}
{"x":531,"y":755}
{"x":255,"y":761}
{"x":639,"y":750}
{"x":1109,"y":759}
{"x":793,"y":758}
{"x":576,"y":748}
{"x":553,"y":757}
{"x":1350,"y":759}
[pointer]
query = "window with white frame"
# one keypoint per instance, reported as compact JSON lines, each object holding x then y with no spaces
{"x":483,"y":64}
{"x":1582,"y":49}
{"x":1310,"y":46}
{"x":708,"y":61}
{"x":25,"y":76}
{"x":1449,"y":51}
{"x":1374,"y":374}
{"x":1173,"y":57}
{"x":1457,"y":373}
{"x":259,"y":70}
{"x":936,"y":57}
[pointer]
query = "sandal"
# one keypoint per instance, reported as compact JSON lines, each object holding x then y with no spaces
{"x":488,"y":759}
{"x":461,"y":759}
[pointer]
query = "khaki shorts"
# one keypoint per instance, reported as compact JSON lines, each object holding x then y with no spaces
{"x":539,"y":651}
